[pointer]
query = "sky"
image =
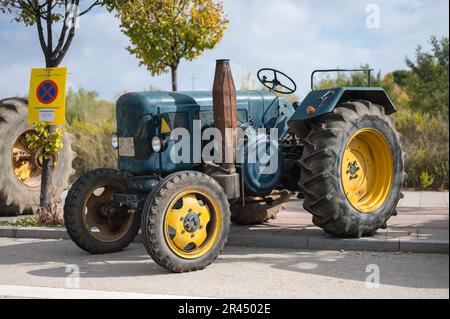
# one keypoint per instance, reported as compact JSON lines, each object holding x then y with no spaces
{"x":294,"y":36}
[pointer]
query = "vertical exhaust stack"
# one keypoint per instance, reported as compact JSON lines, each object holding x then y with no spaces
{"x":225,"y":112}
{"x":225,"y":119}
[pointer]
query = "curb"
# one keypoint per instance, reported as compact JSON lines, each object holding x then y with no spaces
{"x":322,"y":242}
{"x":336,"y":244}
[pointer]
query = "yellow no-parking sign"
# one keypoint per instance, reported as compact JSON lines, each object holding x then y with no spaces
{"x":47,"y":96}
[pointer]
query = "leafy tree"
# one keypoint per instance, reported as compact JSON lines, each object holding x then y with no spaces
{"x":164,"y":32}
{"x":45,"y":14}
{"x":428,"y":84}
{"x":401,"y":77}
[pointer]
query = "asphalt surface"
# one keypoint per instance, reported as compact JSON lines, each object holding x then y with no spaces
{"x":38,"y":269}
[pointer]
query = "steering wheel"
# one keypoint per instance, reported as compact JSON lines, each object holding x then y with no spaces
{"x":275,"y":84}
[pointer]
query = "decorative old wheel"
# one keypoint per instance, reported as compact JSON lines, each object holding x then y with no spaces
{"x":94,"y":220}
{"x":20,"y":167}
{"x":27,"y":164}
{"x":185,"y":221}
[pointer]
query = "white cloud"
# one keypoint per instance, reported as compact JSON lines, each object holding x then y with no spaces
{"x":292,"y":35}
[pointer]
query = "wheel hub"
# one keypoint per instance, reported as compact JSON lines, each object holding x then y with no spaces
{"x":192,"y":223}
{"x":353,"y":168}
{"x":105,"y":219}
{"x":27,"y":163}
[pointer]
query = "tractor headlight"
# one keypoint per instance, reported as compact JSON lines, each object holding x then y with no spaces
{"x":157,"y":144}
{"x":114,"y":141}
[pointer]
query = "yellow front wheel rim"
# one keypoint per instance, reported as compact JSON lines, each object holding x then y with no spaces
{"x":192,"y":223}
{"x":367,"y":170}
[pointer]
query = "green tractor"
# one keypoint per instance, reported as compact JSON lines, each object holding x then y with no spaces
{"x":338,"y":149}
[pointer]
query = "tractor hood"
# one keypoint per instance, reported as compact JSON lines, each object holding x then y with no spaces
{"x":141,"y":116}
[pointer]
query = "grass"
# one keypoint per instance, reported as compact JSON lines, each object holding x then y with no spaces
{"x":28,"y":221}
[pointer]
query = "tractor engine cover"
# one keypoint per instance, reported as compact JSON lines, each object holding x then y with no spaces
{"x":261,"y":162}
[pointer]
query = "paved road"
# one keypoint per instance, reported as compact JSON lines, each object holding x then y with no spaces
{"x":37,"y":268}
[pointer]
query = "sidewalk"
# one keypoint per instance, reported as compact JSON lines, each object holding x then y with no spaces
{"x":422,"y":226}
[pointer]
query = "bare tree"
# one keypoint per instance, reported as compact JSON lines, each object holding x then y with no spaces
{"x":47,"y":15}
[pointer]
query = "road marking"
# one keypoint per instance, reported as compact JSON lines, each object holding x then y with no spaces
{"x":62,"y":293}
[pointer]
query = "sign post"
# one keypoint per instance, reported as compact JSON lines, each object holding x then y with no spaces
{"x":47,"y":96}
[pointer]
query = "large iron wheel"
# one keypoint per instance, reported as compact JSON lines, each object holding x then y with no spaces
{"x":20,"y":167}
{"x":94,"y":220}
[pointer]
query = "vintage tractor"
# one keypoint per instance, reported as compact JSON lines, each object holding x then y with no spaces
{"x":338,"y":148}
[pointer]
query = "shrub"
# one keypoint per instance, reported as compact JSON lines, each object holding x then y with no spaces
{"x":426,"y":144}
{"x":91,"y":121}
{"x":93,"y":146}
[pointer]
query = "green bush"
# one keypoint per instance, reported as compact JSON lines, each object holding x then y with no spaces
{"x":91,"y":121}
{"x":426,"y":145}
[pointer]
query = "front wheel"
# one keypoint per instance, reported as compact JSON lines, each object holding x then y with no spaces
{"x":94,"y":220}
{"x":352,"y":170}
{"x":186,"y":221}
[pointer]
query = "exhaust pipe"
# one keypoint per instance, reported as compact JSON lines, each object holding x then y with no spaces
{"x":225,"y":112}
{"x":225,"y":119}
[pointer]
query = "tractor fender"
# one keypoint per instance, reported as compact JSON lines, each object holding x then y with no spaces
{"x":321,"y":102}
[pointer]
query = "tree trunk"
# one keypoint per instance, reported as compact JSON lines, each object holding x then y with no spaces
{"x":46,"y":198}
{"x":174,"y":78}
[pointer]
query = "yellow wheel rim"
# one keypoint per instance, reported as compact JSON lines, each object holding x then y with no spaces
{"x":27,"y":164}
{"x":192,"y":223}
{"x":367,"y":170}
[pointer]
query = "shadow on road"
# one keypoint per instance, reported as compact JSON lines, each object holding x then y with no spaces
{"x":134,"y":262}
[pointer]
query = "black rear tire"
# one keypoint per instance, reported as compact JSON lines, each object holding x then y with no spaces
{"x":321,"y":181}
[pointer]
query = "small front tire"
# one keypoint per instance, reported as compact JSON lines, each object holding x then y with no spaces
{"x":186,"y":221}
{"x":94,"y":221}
